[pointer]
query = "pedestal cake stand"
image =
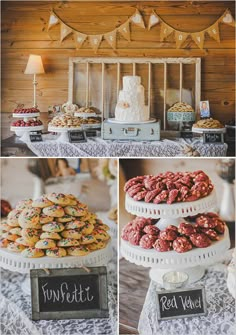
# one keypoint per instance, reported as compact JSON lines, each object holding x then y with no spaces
{"x":192,"y":262}
{"x":15,"y":262}
{"x":63,"y":132}
{"x":24,"y":132}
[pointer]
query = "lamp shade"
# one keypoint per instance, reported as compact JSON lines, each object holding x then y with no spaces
{"x":34,"y":65}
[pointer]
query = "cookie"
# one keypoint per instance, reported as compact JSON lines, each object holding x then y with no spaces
{"x":96,"y":245}
{"x":56,"y":252}
{"x":68,"y":242}
{"x":65,"y":218}
{"x":162,"y":245}
{"x":22,"y":204}
{"x":186,"y":229}
{"x":205,"y":221}
{"x":13,"y":218}
{"x":71,"y":233}
{"x":220,"y":226}
{"x":87,"y":239}
{"x":46,"y":243}
{"x":200,"y":240}
{"x":3,"y":242}
{"x":53,"y":227}
{"x":74,"y":225}
{"x":211,"y":233}
{"x":15,"y":247}
{"x":26,"y":243}
{"x":168,"y":235}
{"x":4,"y":226}
{"x":9,"y":236}
{"x":100,"y":234}
{"x":50,"y":235}
{"x":72,"y":200}
{"x":55,"y":211}
{"x":32,"y":253}
{"x":59,"y":199}
{"x":75,"y":211}
{"x":42,"y":202}
{"x":139,"y":223}
{"x":134,"y":237}
{"x":147,"y":241}
{"x":43,"y":218}
{"x":182,"y":244}
{"x":171,"y":227}
{"x":78,"y":251}
{"x":87,"y":228}
{"x":16,"y":231}
{"x":102,"y":226}
{"x":151,"y":230}
{"x":30,"y":234}
{"x":126,"y":231}
{"x":29,"y":218}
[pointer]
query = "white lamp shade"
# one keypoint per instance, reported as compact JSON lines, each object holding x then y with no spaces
{"x":34,"y":65}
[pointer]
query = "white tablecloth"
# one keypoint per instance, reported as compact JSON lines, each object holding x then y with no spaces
{"x":220,"y":317}
{"x":97,"y":147}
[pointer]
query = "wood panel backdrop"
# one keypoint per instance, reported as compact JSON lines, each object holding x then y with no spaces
{"x":24,"y":31}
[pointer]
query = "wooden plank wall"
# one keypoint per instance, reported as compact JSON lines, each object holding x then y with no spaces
{"x":24,"y":31}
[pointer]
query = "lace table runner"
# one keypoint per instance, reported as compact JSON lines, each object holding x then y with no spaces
{"x":219,"y":320}
{"x":98,"y":147}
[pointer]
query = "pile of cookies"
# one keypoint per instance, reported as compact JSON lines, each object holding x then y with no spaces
{"x":65,"y":121}
{"x":169,"y":187}
{"x":91,"y":120}
{"x":208,"y":124}
{"x":200,"y":233}
{"x":86,"y":110}
{"x":181,"y":107}
{"x":55,"y":225}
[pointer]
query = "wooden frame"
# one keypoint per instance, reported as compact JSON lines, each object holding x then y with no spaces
{"x":149,"y":61}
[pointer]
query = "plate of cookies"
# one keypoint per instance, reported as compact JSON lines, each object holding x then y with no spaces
{"x":208,"y":125}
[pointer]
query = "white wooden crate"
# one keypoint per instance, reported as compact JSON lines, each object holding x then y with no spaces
{"x":100,"y":77}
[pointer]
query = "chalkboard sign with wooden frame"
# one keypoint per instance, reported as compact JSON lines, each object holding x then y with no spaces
{"x":213,"y":137}
{"x":181,"y":303}
{"x":77,"y":136}
{"x":69,"y":293}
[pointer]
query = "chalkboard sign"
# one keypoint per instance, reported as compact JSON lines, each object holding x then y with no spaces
{"x":213,"y":138}
{"x":91,"y":133}
{"x":186,"y":134}
{"x":181,"y":303}
{"x":36,"y":137}
{"x":69,"y":294}
{"x":77,"y":136}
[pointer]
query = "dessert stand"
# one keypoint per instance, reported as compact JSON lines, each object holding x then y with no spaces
{"x":208,"y":130}
{"x":180,"y":117}
{"x":15,"y":262}
{"x":18,"y":130}
{"x":85,"y":115}
{"x":64,"y":137}
{"x":192,"y":262}
{"x":24,"y":132}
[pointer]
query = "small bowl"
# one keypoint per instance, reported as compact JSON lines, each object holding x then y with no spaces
{"x":174,"y":280}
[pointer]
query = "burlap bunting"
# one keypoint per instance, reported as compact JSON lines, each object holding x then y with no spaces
{"x":124,"y":30}
{"x":95,"y":41}
{"x":180,"y":37}
{"x":111,"y":38}
{"x":79,"y":39}
{"x":138,"y":19}
{"x":198,"y":38}
{"x":153,"y":20}
{"x":166,"y":30}
{"x":65,"y":31}
{"x":227,"y":18}
{"x":214,"y":32}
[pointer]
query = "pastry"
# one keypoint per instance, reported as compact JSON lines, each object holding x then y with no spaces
{"x":74,"y":225}
{"x":162,"y":245}
{"x":50,"y":235}
{"x":43,"y":218}
{"x":71,"y":233}
{"x":26,"y":243}
{"x":3,"y":242}
{"x":87,"y":239}
{"x":181,"y":107}
{"x":182,"y":244}
{"x":147,"y":241}
{"x":200,"y":240}
{"x":32,"y":253}
{"x":13,"y":217}
{"x":42,"y":202}
{"x":208,"y":124}
{"x":15,"y":247}
{"x":29,"y":218}
{"x":68,"y":242}
{"x":56,"y":252}
{"x":78,"y":251}
{"x":46,"y":243}
{"x":59,"y":199}
{"x":55,"y":211}
{"x":74,"y":211}
{"x":53,"y":227}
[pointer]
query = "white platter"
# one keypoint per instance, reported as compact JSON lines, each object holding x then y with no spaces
{"x":85,"y":115}
{"x":62,"y":130}
{"x":25,"y":115}
{"x":26,"y":129}
{"x":113,"y":120}
{"x":91,"y":126}
{"x":210,"y":130}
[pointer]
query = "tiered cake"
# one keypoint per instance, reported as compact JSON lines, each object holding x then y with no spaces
{"x":131,"y":106}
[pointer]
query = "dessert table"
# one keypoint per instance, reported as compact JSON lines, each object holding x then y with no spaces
{"x":97,"y":147}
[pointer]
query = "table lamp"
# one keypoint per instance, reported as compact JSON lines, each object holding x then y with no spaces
{"x":34,"y":66}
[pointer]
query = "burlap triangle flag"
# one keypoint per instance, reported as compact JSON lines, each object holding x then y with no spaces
{"x":111,"y":38}
{"x":53,"y":20}
{"x":95,"y":41}
{"x":165,"y":31}
{"x":79,"y":39}
{"x":227,"y":18}
{"x":153,"y":20}
{"x":124,"y":29}
{"x":199,"y":38}
{"x":214,"y":32}
{"x":180,"y":37}
{"x":65,"y":31}
{"x":138,"y":19}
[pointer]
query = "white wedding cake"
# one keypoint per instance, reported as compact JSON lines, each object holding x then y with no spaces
{"x":131,"y":106}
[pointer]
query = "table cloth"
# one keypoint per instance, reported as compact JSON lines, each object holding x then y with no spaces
{"x":220,"y":317}
{"x":97,"y":147}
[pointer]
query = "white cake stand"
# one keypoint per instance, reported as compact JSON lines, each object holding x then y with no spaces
{"x":64,"y":137}
{"x":113,"y":120}
{"x":15,"y":262}
{"x":91,"y":126}
{"x":85,"y":115}
{"x":25,"y":116}
{"x":206,"y":130}
{"x":24,"y":132}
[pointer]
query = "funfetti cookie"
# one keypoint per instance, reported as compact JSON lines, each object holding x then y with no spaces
{"x":56,"y":252}
{"x":9,"y":236}
{"x":78,"y":251}
{"x":96,"y":245}
{"x":31,"y":234}
{"x":13,"y":218}
{"x":65,"y":218}
{"x":26,"y":243}
{"x":3,"y":242}
{"x":15,"y":247}
{"x":42,"y":202}
{"x":22,"y":204}
{"x":32,"y":253}
{"x":43,"y":218}
{"x":74,"y":225}
{"x":68,"y":242}
{"x":50,"y":235}
{"x":87,"y":239}
{"x":59,"y":199}
{"x":29,"y":218}
{"x":55,"y":211}
{"x":75,"y":211}
{"x":71,"y":233}
{"x":16,"y":231}
{"x":87,"y":228}
{"x":53,"y":227}
{"x":46,"y":243}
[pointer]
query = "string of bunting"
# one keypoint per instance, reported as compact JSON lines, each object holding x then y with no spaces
{"x":137,"y":19}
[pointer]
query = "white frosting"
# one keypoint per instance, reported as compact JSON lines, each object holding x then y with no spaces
{"x":131,"y":106}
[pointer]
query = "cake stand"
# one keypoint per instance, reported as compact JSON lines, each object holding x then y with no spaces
{"x":24,"y":132}
{"x":25,"y":116}
{"x":85,"y":115}
{"x":208,"y":130}
{"x":15,"y":262}
{"x":192,"y":262}
{"x":180,"y":117}
{"x":64,"y":137}
{"x":113,"y":120}
{"x":91,"y":126}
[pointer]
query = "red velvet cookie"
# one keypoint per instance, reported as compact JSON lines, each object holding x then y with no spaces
{"x":133,"y":181}
{"x":134,"y":237}
{"x":162,"y":245}
{"x":200,"y":240}
{"x":151,"y":229}
{"x":161,"y":197}
{"x":211,"y":233}
{"x":173,"y":194}
{"x":220,"y":226}
{"x":139,"y":223}
{"x":186,"y":229}
{"x":204,"y":221}
{"x":147,"y":241}
{"x":168,"y":235}
{"x":126,"y":231}
{"x":172,"y":228}
{"x":182,"y":244}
